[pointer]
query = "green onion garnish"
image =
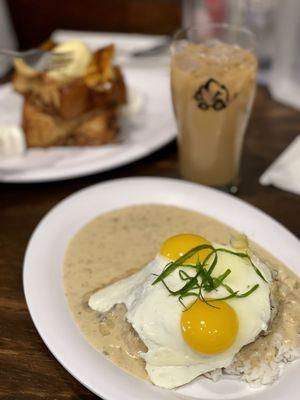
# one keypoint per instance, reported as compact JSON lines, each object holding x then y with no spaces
{"x":201,"y":277}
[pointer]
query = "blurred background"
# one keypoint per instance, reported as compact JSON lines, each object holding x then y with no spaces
{"x":276,"y":23}
{"x":34,"y":20}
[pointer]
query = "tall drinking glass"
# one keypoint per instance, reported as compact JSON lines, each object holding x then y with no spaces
{"x":213,"y":74}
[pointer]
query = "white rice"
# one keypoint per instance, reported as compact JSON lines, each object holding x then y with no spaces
{"x":265,"y":368}
{"x":267,"y":371}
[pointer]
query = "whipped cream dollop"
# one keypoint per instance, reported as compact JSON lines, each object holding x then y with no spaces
{"x":12,"y":140}
{"x":79,"y":56}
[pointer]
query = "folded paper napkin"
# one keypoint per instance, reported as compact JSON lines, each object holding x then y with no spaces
{"x":284,"y":172}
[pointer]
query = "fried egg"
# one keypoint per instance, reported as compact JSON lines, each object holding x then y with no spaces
{"x":187,"y":336}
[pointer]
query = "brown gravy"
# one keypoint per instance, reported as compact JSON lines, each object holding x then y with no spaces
{"x":119,"y":243}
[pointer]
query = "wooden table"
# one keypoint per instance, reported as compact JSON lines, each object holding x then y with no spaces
{"x":27,"y":369}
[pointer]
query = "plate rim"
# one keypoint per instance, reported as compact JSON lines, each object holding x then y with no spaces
{"x":110,"y":183}
{"x":123,"y":157}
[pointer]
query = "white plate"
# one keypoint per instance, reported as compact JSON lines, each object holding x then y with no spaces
{"x":48,"y":307}
{"x":124,"y":44}
{"x":145,"y":132}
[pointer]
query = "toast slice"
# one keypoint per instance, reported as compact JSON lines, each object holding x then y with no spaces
{"x":92,"y":128}
{"x":102,"y":86}
{"x":81,"y":111}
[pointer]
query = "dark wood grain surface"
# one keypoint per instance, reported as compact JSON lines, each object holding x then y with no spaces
{"x":34,"y":20}
{"x":27,"y":368}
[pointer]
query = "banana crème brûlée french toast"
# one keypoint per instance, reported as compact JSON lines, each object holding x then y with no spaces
{"x":76,"y":104}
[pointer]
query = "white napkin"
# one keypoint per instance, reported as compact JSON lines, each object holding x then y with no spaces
{"x":284,"y":172}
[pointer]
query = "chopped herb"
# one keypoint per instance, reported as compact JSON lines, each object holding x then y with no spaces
{"x":201,"y":278}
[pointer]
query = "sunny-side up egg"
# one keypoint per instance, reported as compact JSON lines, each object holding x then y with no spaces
{"x":187,"y":336}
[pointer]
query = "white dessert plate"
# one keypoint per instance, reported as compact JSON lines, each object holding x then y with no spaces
{"x":49,"y":310}
{"x":149,"y":126}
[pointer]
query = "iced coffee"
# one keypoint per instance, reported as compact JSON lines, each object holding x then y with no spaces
{"x":213,"y":86}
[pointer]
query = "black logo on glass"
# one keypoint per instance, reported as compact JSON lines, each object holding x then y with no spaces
{"x":212,"y":95}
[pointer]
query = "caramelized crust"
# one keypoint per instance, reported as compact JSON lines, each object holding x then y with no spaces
{"x":79,"y":112}
{"x":100,"y":72}
{"x":95,"y":127}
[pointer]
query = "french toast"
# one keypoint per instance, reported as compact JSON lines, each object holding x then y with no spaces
{"x":94,"y":127}
{"x":77,"y":111}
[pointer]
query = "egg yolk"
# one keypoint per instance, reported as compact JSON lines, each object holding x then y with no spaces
{"x":207,"y":329}
{"x":176,"y":246}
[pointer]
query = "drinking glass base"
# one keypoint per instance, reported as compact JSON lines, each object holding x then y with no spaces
{"x":229,"y":188}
